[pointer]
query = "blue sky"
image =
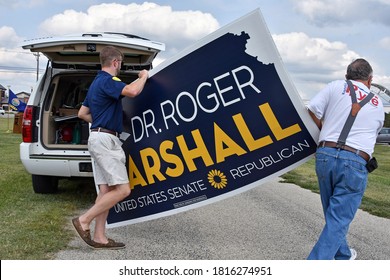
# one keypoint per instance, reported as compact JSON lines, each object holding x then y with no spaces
{"x":316,"y":39}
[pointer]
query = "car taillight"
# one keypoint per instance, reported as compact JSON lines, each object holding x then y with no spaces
{"x":27,"y":125}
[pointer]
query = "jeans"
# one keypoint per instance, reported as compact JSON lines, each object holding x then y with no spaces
{"x":342,"y":178}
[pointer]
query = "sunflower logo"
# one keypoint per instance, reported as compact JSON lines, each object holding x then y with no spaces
{"x":217,"y":179}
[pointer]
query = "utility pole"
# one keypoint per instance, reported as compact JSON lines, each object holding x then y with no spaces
{"x":37,"y":56}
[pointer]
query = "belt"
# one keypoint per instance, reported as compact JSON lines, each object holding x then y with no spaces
{"x":101,"y":129}
{"x":329,"y":144}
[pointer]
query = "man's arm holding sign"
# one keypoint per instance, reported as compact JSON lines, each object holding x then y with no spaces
{"x":135,"y":88}
{"x":130,"y":90}
{"x":317,"y":121}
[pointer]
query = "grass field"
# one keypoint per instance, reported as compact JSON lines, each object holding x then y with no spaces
{"x":35,"y":226}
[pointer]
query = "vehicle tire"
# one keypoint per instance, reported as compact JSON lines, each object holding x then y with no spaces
{"x":44,"y":184}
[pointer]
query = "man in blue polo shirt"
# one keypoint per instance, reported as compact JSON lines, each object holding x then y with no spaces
{"x":103,"y":109}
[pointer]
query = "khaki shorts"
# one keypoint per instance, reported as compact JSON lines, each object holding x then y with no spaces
{"x":109,"y":159}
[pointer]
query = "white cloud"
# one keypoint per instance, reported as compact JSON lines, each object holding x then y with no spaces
{"x":313,"y":62}
{"x":177,"y":29}
{"x":8,"y":37}
{"x":335,"y":12}
{"x":300,"y":49}
{"x":160,"y":23}
{"x":16,"y":66}
{"x":310,"y":61}
{"x":17,"y":69}
{"x":10,"y":52}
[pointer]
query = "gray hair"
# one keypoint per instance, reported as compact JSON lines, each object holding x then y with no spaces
{"x":359,"y":69}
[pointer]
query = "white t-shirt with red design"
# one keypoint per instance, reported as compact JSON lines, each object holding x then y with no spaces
{"x":333,"y":105}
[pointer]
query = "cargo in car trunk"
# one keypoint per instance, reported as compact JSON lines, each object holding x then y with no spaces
{"x":61,"y":126}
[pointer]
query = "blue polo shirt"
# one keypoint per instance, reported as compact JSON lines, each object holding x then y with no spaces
{"x":104,"y":102}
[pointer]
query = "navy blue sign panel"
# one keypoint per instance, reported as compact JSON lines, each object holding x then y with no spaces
{"x":212,"y":122}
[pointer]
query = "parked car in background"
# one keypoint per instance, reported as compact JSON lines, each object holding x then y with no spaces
{"x":384,"y":136}
{"x":54,"y":139}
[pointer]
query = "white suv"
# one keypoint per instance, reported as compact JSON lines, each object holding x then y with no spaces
{"x":54,"y":140}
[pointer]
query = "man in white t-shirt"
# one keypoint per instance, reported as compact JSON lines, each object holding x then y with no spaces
{"x":341,"y":171}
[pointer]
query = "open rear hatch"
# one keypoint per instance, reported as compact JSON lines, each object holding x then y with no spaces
{"x":84,"y":49}
{"x":74,"y":60}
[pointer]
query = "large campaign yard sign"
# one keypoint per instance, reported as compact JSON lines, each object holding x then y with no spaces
{"x":218,"y":119}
